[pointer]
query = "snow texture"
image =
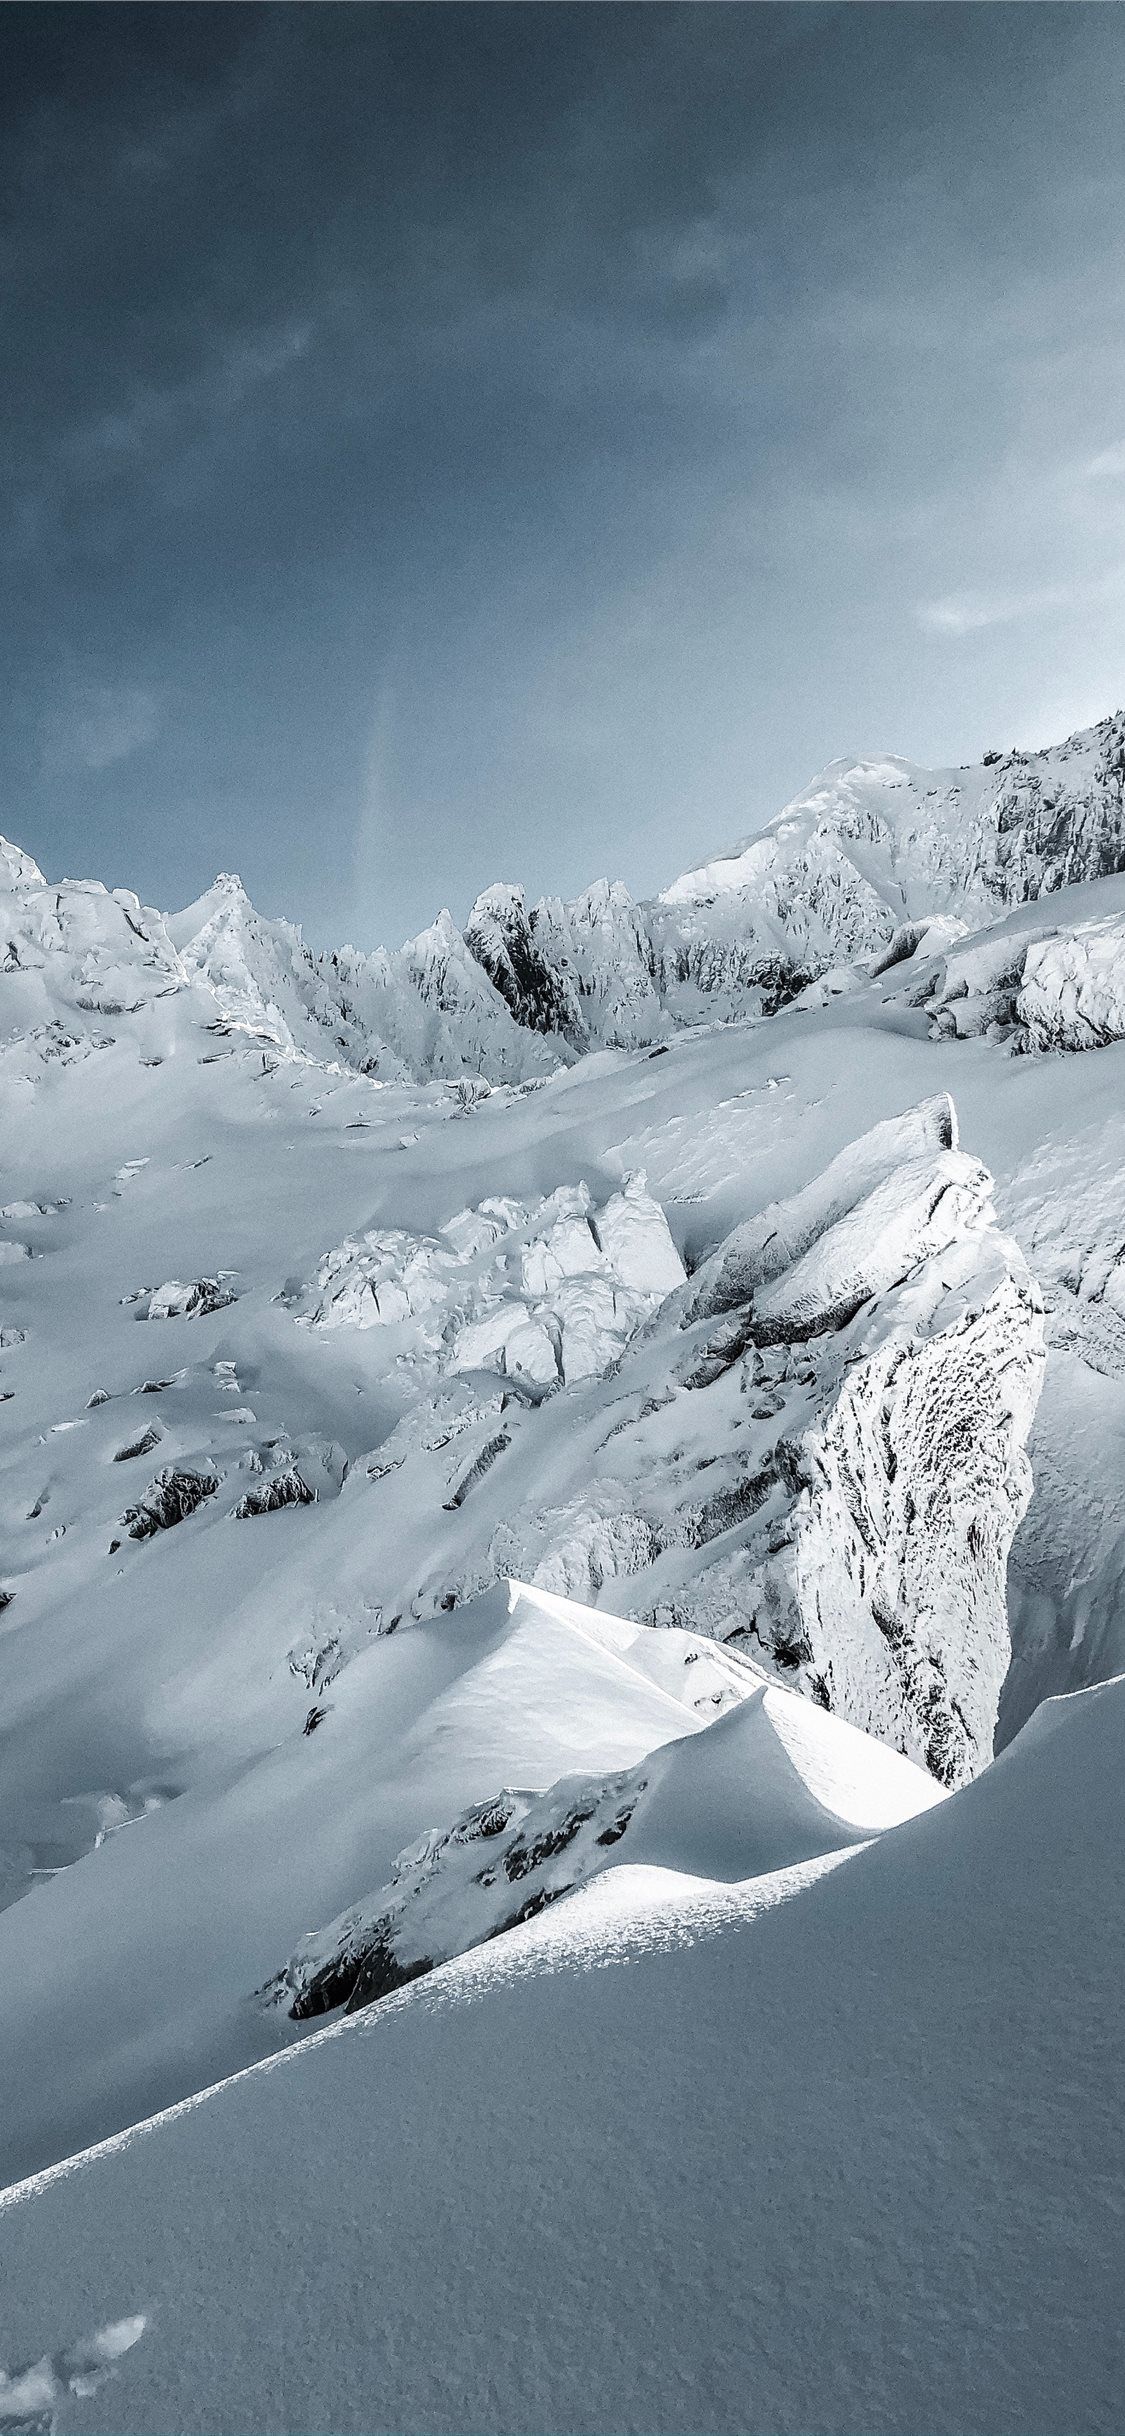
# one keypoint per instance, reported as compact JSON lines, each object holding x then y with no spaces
{"x":874,"y":2096}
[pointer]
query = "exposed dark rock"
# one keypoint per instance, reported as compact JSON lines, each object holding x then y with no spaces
{"x":281,"y":1489}
{"x":168,"y":1500}
{"x":477,"y":1470}
{"x":143,"y":1445}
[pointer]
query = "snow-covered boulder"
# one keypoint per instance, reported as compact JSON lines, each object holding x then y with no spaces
{"x":1072,"y":988}
{"x":190,"y":1299}
{"x":72,"y":951}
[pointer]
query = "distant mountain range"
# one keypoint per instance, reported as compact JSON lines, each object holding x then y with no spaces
{"x":872,"y":845}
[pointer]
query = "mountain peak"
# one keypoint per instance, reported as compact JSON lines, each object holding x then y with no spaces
{"x":17,"y":869}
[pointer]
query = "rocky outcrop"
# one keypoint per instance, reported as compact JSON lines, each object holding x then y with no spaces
{"x":287,"y":1487}
{"x":169,"y":1499}
{"x":177,"y":1299}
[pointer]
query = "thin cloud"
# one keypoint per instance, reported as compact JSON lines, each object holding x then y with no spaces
{"x":97,"y":726}
{"x":1108,"y":465}
{"x":960,"y":613}
{"x":154,"y":415}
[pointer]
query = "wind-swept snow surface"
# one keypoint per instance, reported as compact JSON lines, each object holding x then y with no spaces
{"x":837,"y":2147}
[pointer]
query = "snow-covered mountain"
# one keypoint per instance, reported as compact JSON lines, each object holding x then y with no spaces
{"x":873,"y":846}
{"x":447,"y":1476}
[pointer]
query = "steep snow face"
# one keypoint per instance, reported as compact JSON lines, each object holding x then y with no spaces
{"x":260,"y":972}
{"x":17,"y":870}
{"x":428,"y":1009}
{"x":915,"y":1483}
{"x":540,"y":1294}
{"x":466,"y":1027}
{"x":587,"y":970}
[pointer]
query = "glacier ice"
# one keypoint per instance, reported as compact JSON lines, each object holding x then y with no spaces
{"x":541,"y":1292}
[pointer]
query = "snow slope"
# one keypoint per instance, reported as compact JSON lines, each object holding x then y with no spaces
{"x":837,"y":2147}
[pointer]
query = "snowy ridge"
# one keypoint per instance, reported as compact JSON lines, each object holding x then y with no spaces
{"x":872,"y":836}
{"x":770,"y":1783}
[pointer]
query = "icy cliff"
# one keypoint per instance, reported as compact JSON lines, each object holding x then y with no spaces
{"x":813,"y":1450}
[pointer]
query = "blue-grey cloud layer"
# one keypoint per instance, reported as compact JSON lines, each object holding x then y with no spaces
{"x":450,"y":443}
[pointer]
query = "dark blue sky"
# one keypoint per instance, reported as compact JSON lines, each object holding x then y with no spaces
{"x":444,"y":444}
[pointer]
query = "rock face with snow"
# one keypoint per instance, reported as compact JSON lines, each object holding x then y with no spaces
{"x":429,"y":1010}
{"x":813,"y":1450}
{"x":587,"y":971}
{"x":1056,"y":987}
